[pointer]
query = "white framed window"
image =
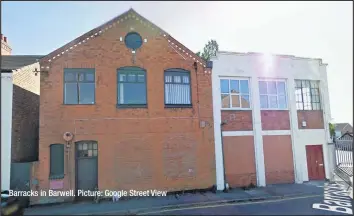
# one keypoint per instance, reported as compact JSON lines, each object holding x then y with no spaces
{"x":307,"y":94}
{"x":235,"y":93}
{"x":273,"y":94}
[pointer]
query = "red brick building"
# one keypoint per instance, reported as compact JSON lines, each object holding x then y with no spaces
{"x":124,"y":106}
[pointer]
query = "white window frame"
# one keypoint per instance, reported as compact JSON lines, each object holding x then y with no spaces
{"x":276,"y":86}
{"x":249,"y":93}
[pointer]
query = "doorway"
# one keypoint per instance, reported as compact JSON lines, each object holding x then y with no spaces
{"x":86,"y":166}
{"x":315,"y":162}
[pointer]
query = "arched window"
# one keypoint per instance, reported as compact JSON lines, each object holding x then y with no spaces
{"x":177,"y":88}
{"x":131,"y":85}
{"x":56,"y":161}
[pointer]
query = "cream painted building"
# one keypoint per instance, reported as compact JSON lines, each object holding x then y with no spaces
{"x":271,"y":115}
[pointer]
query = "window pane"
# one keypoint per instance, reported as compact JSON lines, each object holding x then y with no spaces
{"x":234,"y":86}
{"x":245,"y":101}
{"x":305,"y":84}
{"x":87,"y":93}
{"x":71,"y":96}
{"x":89,"y":76}
{"x":132,"y":93}
{"x":314,"y":84}
{"x":177,"y":79}
{"x":185,"y":79}
{"x":168,"y":79}
{"x":316,"y":106}
{"x":282,"y":102}
{"x":225,"y":101}
{"x":235,"y":101}
{"x":70,"y":76}
{"x":244,"y":86}
{"x":131,"y":78}
{"x":315,"y":92}
{"x":95,"y":146}
{"x":177,"y":94}
{"x":122,"y":77}
{"x":264,"y":101}
{"x":272,"y":88}
{"x":84,"y":146}
{"x":90,"y":153}
{"x":95,"y":152}
{"x":262,"y":87}
{"x":281,"y":88}
{"x":298,"y":83}
{"x":141,"y":78}
{"x":224,"y":86}
{"x":81,"y":76}
{"x":273,"y":102}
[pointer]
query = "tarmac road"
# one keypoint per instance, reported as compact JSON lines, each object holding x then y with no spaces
{"x":290,"y":206}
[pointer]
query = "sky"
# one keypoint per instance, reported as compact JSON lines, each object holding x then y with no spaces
{"x":308,"y":29}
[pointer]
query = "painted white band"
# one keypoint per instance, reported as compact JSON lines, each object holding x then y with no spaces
{"x":237,"y":133}
{"x":276,"y":132}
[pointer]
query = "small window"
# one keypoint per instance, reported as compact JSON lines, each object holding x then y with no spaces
{"x":272,"y":94}
{"x":79,"y":86}
{"x":86,"y":149}
{"x":177,"y":88}
{"x":307,"y":95}
{"x":235,"y":93}
{"x":56,"y":161}
{"x":131,"y":87}
{"x":133,"y":40}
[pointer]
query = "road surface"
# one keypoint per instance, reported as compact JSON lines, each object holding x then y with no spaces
{"x":291,"y":206}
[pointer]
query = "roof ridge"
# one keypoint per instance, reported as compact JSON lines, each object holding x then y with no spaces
{"x":131,"y":13}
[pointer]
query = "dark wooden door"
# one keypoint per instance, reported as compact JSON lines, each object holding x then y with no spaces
{"x":86,"y":166}
{"x":315,"y":163}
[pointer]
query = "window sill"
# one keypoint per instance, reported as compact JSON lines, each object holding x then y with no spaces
{"x":239,"y":109}
{"x":56,"y":177}
{"x":178,"y":106}
{"x":131,"y":106}
{"x":270,"y":109}
{"x":78,"y":104}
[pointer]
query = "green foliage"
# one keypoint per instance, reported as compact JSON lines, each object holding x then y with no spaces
{"x":332,"y":129}
{"x":209,"y":50}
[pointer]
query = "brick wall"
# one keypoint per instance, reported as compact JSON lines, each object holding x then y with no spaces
{"x":278,"y":159}
{"x":25,"y":114}
{"x":313,"y":118}
{"x":275,"y":120}
{"x":153,"y":147}
{"x":239,"y":156}
{"x":237,"y":120}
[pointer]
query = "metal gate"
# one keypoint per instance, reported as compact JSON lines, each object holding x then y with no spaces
{"x":344,"y":151}
{"x":86,"y":165}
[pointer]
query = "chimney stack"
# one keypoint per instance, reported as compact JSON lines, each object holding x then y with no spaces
{"x":5,"y":47}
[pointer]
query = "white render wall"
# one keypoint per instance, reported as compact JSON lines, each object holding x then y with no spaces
{"x":289,"y":68}
{"x":6,"y":125}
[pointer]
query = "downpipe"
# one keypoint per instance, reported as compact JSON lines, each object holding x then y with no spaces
{"x":226,"y":185}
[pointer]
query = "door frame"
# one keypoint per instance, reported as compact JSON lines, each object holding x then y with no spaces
{"x":320,"y":146}
{"x":77,"y":159}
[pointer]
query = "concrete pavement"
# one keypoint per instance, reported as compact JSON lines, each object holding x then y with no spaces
{"x":145,"y":204}
{"x":286,"y":206}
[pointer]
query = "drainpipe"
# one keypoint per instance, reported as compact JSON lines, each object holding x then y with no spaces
{"x":226,"y":185}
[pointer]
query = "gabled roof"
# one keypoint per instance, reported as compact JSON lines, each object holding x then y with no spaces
{"x":344,"y":127}
{"x":130,"y":14}
{"x":346,"y":134}
{"x":13,"y":62}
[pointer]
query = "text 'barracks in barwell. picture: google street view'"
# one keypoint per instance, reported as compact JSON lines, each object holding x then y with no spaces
{"x":126,"y":110}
